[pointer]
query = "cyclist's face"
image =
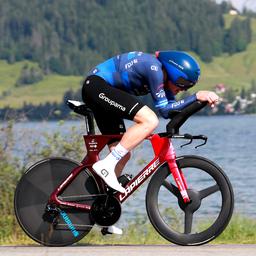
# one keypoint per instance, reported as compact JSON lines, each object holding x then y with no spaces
{"x":173,"y":88}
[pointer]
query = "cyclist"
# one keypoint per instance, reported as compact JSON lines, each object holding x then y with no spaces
{"x":109,"y":91}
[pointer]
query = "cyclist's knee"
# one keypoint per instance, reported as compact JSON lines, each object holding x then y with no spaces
{"x":147,"y":117}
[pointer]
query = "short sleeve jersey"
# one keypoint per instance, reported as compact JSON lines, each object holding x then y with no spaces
{"x":140,"y":73}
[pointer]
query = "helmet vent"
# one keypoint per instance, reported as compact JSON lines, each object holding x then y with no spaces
{"x":176,"y":64}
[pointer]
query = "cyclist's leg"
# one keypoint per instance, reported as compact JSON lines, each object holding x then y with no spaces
{"x":145,"y":123}
{"x":121,"y":164}
{"x":144,"y":126}
{"x":113,"y":125}
{"x":109,"y":103}
{"x":109,"y":106}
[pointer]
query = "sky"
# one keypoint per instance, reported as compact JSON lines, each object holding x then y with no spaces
{"x":239,"y":4}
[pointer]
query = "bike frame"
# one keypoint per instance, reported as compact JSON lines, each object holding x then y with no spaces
{"x":164,"y":153}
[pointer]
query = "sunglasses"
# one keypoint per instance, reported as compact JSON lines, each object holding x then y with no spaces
{"x":184,"y":84}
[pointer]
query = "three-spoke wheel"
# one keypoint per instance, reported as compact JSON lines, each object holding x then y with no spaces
{"x":208,"y":212}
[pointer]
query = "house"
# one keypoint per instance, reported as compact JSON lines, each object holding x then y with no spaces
{"x":220,"y":88}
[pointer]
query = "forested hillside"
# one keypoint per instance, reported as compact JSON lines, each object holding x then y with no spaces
{"x":69,"y":37}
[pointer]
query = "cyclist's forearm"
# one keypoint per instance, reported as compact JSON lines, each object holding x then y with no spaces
{"x":177,"y":105}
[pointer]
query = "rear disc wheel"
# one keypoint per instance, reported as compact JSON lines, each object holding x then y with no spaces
{"x":45,"y":223}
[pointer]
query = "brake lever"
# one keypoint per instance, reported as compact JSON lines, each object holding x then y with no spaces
{"x":186,"y":143}
{"x":187,"y":136}
{"x":204,"y":138}
{"x":191,"y":138}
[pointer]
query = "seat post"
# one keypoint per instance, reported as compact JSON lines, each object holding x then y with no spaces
{"x":81,"y":109}
{"x":89,"y":123}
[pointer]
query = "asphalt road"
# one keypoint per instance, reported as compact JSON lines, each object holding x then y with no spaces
{"x":127,"y":250}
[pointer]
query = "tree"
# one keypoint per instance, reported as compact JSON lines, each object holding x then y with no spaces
{"x":29,"y":75}
{"x":238,"y":36}
{"x":69,"y":37}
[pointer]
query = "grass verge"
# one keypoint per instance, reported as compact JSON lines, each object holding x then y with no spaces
{"x":241,"y":230}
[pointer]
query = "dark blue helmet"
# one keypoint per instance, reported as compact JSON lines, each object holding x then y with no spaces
{"x":182,"y":69}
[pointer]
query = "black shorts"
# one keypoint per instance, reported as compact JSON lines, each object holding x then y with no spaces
{"x":109,"y":105}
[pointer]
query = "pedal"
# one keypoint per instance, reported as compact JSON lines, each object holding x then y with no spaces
{"x":124,"y":179}
{"x":104,"y":231}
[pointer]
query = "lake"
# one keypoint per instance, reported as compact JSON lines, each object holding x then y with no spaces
{"x":231,"y":144}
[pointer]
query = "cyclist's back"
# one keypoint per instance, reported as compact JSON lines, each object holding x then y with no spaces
{"x":135,"y":72}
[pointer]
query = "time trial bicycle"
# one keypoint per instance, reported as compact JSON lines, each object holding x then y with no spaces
{"x":58,"y":201}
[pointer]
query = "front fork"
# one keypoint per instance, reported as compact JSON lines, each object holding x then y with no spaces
{"x":164,"y":149}
{"x":179,"y":179}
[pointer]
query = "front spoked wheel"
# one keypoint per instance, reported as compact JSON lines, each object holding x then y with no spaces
{"x":46,"y":223}
{"x":209,"y":211}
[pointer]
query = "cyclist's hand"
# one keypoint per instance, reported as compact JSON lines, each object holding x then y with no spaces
{"x":211,"y":97}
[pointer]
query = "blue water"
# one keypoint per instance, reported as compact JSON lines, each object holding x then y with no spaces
{"x":231,"y":144}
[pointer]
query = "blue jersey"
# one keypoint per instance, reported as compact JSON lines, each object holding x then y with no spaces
{"x":140,"y":73}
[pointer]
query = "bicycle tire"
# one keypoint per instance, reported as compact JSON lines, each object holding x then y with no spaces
{"x":183,"y":231}
{"x":32,"y":194}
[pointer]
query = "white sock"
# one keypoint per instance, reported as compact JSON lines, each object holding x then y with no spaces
{"x":116,"y":154}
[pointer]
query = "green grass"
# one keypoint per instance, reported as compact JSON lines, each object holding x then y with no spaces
{"x":236,"y":71}
{"x":50,"y":89}
{"x":9,"y":74}
{"x":241,"y":230}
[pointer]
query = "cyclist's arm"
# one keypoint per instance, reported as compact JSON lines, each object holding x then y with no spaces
{"x":176,"y":105}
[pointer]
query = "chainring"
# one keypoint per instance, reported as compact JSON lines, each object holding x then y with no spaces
{"x":106,"y":210}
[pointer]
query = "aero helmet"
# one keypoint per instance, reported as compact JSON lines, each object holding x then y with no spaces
{"x":181,"y":68}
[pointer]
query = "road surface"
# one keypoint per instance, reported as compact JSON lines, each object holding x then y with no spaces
{"x":133,"y":250}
